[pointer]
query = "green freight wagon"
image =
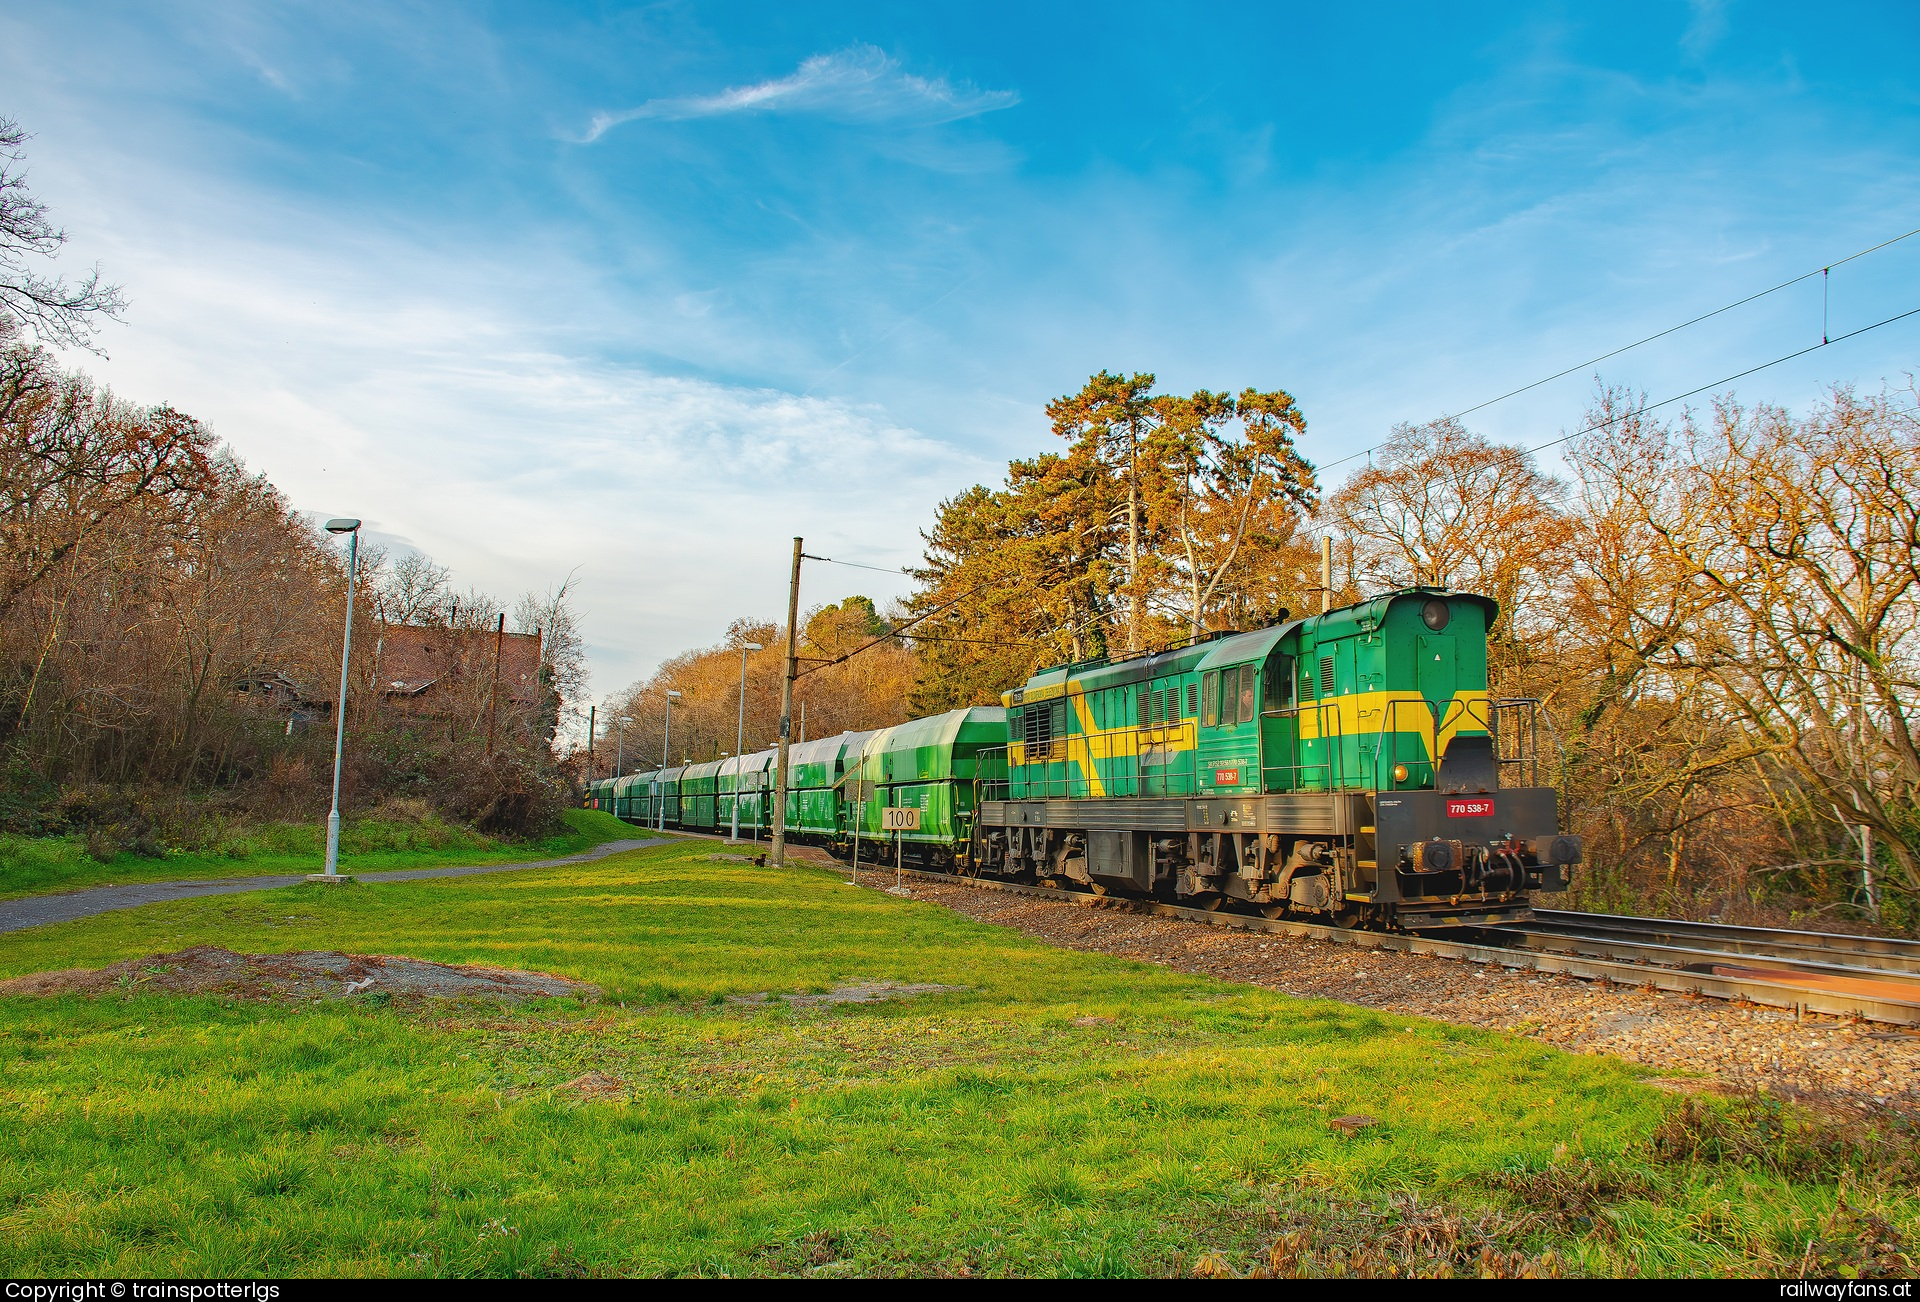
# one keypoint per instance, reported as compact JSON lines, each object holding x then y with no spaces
{"x":817,"y":773}
{"x":646,"y":803}
{"x":745,"y":779}
{"x":699,"y":798}
{"x":726,"y":790}
{"x":1352,"y":764}
{"x":927,"y":769}
{"x":668,"y":811}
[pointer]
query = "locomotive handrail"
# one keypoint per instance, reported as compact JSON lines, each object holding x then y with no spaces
{"x":1524,"y":736}
{"x":1333,"y":767}
{"x":1389,"y":727}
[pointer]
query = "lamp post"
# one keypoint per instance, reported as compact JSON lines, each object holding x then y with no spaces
{"x":666,"y":740}
{"x":352,"y":529}
{"x":620,"y":748}
{"x":740,"y":736}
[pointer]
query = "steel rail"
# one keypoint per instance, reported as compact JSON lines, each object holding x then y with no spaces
{"x":1625,"y":942}
{"x":1774,"y":987}
{"x":1904,"y":954}
{"x":1692,"y":957}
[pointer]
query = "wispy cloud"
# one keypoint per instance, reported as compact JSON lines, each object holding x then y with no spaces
{"x":859,"y":84}
{"x":1708,"y":25}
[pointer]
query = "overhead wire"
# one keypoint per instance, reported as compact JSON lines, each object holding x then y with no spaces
{"x":1821,"y":271}
{"x":877,"y":569}
{"x":1752,"y":370}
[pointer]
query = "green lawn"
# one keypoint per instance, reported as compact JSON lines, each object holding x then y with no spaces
{"x":41,"y":865}
{"x":1064,"y":1114}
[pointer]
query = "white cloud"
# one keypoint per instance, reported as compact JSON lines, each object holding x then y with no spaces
{"x":859,"y":84}
{"x":371,"y":379}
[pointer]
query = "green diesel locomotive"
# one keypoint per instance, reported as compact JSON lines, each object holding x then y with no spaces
{"x":1350,"y":765}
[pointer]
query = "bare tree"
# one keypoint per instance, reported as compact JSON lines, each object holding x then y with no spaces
{"x":53,"y":311}
{"x":562,"y":648}
{"x":413,"y":590}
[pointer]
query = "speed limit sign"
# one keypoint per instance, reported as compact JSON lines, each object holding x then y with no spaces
{"x":900,"y":820}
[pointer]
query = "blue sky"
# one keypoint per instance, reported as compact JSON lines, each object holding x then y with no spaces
{"x":648,"y":290}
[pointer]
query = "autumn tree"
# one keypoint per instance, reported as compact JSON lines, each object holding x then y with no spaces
{"x":76,"y":461}
{"x":1440,"y":505}
{"x":864,"y":691}
{"x":1802,"y":539}
{"x":1229,"y":485}
{"x":1111,"y":419}
{"x":1017,"y":577}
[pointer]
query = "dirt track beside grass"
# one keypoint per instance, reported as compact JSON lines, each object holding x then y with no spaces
{"x":306,"y":975}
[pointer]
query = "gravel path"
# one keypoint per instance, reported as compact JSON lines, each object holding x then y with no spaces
{"x":38,"y":910}
{"x":1832,"y":1063}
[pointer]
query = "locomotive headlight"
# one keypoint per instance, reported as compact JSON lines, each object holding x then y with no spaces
{"x":1399,"y":773}
{"x":1436,"y":615}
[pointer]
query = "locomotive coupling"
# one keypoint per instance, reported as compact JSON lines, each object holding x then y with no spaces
{"x":1557,"y":850}
{"x":1436,"y":856}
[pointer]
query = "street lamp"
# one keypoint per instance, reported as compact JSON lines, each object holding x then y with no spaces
{"x":352,"y":529}
{"x":740,"y":738}
{"x":620,"y":748}
{"x":666,"y":739}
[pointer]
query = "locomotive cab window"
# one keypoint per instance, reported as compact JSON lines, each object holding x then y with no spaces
{"x":1279,"y":695}
{"x":1210,"y":698}
{"x":1248,"y":701}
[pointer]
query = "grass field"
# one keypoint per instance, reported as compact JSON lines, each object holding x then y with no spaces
{"x":39,"y":865}
{"x":1063,"y":1114}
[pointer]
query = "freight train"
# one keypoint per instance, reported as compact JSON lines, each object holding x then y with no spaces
{"x":1349,"y":767}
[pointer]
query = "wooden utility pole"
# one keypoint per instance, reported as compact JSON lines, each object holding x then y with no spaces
{"x":779,"y":819}
{"x":493,"y":700}
{"x":590,"y":721}
{"x":1326,"y":574}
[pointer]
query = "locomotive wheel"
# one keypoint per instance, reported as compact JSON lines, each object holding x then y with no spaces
{"x":1212,"y":903}
{"x":1272,"y":910}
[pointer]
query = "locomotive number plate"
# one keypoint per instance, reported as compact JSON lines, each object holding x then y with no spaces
{"x":1226,"y":777}
{"x":1477,"y":807}
{"x":905,"y":820}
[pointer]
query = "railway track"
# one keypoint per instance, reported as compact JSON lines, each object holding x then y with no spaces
{"x":1868,"y":977}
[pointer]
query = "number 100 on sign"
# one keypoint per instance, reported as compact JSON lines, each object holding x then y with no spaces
{"x":900,"y":820}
